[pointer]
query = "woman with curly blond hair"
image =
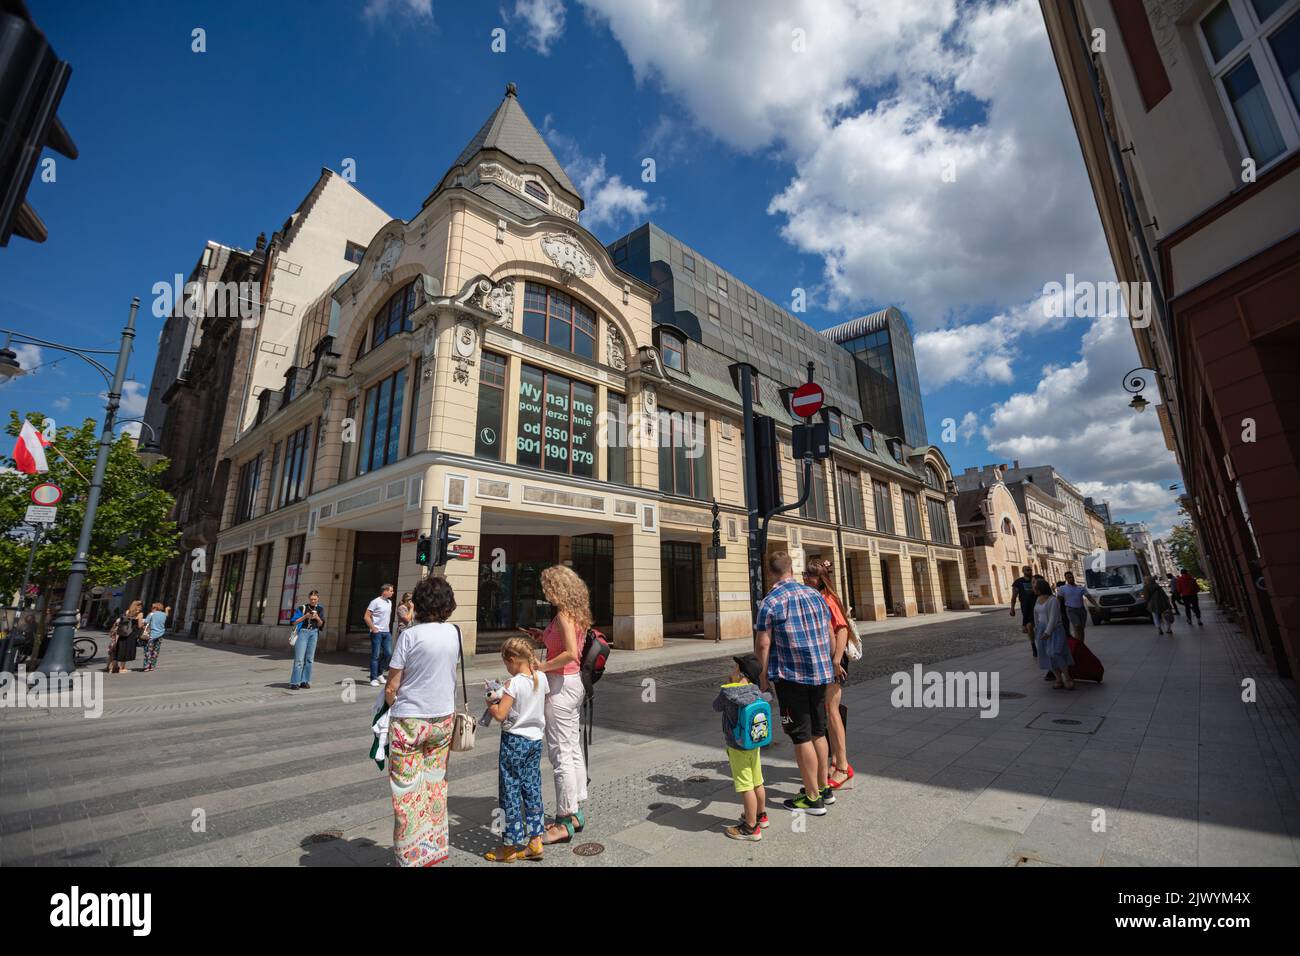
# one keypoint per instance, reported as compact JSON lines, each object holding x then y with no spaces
{"x":564,"y":638}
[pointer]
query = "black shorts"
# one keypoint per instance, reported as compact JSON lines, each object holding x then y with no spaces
{"x":803,"y":710}
{"x":1026,"y":614}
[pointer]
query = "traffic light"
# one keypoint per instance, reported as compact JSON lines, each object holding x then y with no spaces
{"x":32,"y":81}
{"x":767,"y":464}
{"x":811,"y":440}
{"x":424,"y":550}
{"x":445,"y":539}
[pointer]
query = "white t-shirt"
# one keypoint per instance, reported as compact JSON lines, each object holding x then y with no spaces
{"x":527,"y":716}
{"x":380,"y":609}
{"x":426,"y":654}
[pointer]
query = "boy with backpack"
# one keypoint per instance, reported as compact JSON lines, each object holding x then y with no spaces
{"x":746,"y":728}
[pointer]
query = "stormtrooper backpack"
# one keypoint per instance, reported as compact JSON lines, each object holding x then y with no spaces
{"x":754,"y":725}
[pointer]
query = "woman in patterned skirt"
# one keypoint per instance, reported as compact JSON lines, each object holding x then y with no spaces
{"x":421,"y":694}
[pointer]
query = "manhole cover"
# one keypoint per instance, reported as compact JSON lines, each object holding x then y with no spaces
{"x":1009,"y":695}
{"x":698,"y":778}
{"x":589,"y":849}
{"x":1075,"y":723}
{"x":325,"y":836}
{"x":1063,"y":720}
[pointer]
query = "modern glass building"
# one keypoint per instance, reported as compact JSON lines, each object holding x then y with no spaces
{"x":888,"y":386}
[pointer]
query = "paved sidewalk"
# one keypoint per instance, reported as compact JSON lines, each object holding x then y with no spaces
{"x":1185,"y":772}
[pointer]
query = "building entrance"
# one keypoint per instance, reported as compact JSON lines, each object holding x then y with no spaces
{"x":376,"y":557}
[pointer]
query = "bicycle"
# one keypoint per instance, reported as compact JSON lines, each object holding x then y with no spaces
{"x":85,"y":650}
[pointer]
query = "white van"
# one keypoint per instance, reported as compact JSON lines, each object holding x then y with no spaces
{"x":1115,"y":580}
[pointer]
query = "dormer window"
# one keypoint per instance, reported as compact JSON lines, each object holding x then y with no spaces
{"x":866,"y":435}
{"x":896,"y":449}
{"x":835,"y":422}
{"x":534,"y":189}
{"x":673,"y":350}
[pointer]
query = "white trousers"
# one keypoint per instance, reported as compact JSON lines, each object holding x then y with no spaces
{"x":564,"y":741}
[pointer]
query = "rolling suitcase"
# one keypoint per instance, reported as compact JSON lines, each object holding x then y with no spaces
{"x":1086,"y":665}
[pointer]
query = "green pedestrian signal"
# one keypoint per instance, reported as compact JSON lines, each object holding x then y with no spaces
{"x":423,"y":550}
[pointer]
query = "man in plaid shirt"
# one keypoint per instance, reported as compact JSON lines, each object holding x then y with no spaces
{"x":793,"y":643}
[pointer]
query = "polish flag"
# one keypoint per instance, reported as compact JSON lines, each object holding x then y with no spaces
{"x":29,"y":451}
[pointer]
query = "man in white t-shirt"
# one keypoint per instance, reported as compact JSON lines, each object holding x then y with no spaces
{"x":379,"y":614}
{"x":1075,"y":611}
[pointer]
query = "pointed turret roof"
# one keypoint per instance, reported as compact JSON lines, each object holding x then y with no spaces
{"x":510,"y":131}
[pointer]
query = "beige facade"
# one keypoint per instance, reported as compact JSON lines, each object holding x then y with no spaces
{"x":545,"y":444}
{"x":993,"y":540}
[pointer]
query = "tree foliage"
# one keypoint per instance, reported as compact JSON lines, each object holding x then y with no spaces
{"x":132,"y":530}
{"x":1117,"y":540}
{"x":1183,"y":548}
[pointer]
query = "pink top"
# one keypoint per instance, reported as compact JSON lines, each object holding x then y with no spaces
{"x":553,"y":638}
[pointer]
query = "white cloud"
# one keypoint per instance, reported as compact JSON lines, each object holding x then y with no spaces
{"x":1078,"y":420}
{"x":376,"y":10}
{"x":62,"y":404}
{"x":863,"y":116}
{"x":545,"y":21}
{"x":608,"y":199}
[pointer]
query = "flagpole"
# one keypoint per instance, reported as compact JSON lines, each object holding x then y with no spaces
{"x":69,"y":461}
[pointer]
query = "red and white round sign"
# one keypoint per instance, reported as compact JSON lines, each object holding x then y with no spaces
{"x":807,"y":400}
{"x":47,"y":494}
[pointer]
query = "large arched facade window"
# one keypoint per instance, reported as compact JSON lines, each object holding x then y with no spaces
{"x":932,"y":477}
{"x":560,"y":320}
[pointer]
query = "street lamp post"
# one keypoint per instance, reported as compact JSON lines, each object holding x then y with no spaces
{"x":58,"y":658}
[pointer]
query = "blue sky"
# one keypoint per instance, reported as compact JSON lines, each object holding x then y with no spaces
{"x":822,"y":170}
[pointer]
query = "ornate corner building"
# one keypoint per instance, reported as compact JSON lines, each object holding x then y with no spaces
{"x":564,"y":400}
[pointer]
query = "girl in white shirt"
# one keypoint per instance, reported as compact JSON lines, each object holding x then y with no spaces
{"x":521,"y":709}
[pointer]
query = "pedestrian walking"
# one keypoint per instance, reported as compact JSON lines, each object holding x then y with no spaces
{"x":1158,"y":605}
{"x":156,"y":625}
{"x":564,"y":638}
{"x":1049,"y":632}
{"x":421,"y":695}
{"x":1171,"y":588}
{"x":123,"y":635}
{"x":378,"y":617}
{"x":1022,"y":591}
{"x":403,"y":615}
{"x":736,"y":698}
{"x":820,"y":577}
{"x":520,"y":707}
{"x":1189,"y":595}
{"x":1076,"y":612}
{"x":310,"y":619}
{"x":793,"y":643}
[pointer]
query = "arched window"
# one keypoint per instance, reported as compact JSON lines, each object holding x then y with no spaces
{"x":1008,"y":527}
{"x":558,"y":319}
{"x":673,"y":350}
{"x":394,"y":316}
{"x":534,"y":189}
{"x":932,"y":479}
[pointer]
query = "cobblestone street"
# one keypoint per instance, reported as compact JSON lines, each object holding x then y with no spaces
{"x":1185,"y":771}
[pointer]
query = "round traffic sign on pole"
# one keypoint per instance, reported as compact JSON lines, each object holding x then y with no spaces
{"x":807,"y":400}
{"x":47,"y":494}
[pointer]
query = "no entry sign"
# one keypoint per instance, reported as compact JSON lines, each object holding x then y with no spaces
{"x":47,"y":494}
{"x":807,"y":400}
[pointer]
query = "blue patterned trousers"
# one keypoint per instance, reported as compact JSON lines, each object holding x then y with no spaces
{"x":519,"y":789}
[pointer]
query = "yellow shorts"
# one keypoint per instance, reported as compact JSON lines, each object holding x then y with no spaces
{"x":746,"y":773}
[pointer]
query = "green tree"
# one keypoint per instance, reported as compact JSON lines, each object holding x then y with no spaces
{"x":132,"y":530}
{"x":1117,"y":540}
{"x":1183,"y":548}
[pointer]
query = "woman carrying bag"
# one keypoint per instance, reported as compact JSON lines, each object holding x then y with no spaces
{"x":423,"y":725}
{"x":122,"y":637}
{"x":1049,"y":634}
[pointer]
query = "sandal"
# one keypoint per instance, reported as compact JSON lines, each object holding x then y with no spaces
{"x":534,"y":850}
{"x":836,"y":784}
{"x":503,"y":854}
{"x":578,"y":819}
{"x":563,"y":824}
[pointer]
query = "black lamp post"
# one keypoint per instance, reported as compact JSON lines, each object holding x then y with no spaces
{"x":58,"y":657}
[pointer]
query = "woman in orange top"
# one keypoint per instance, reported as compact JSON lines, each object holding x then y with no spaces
{"x":820,"y":577}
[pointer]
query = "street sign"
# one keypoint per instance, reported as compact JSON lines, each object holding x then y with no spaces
{"x":464,"y":552}
{"x":47,"y":494}
{"x":807,"y":400}
{"x":41,"y":514}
